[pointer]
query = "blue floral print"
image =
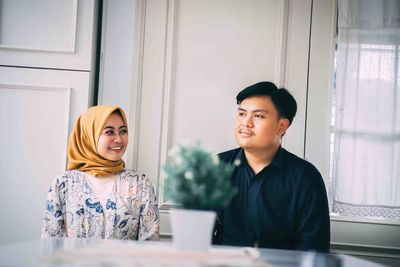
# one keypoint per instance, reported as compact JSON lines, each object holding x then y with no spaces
{"x":50,"y":206}
{"x":96,"y":205}
{"x":111,"y":205}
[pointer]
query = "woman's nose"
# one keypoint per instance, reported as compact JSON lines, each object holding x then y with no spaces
{"x":117,"y":138}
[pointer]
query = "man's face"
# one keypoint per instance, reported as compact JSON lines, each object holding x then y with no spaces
{"x":258,"y":126}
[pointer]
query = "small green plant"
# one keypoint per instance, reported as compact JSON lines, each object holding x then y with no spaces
{"x":197,"y":179}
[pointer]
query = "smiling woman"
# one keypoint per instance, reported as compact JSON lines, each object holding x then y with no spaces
{"x":113,"y":138}
{"x":97,"y":197}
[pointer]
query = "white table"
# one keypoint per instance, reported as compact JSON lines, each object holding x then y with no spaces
{"x":107,"y":253}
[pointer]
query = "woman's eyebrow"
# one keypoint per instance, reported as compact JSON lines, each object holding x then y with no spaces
{"x":108,"y":127}
{"x":111,"y":127}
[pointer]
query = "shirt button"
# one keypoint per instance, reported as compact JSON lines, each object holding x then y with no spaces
{"x":251,"y":203}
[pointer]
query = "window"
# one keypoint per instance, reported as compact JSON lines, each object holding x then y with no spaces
{"x":365,"y":129}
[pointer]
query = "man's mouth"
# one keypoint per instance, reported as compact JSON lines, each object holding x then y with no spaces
{"x":245,"y":133}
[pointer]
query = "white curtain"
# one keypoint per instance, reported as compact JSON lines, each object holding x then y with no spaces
{"x":366,"y":150}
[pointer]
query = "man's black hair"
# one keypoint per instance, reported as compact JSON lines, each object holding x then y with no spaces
{"x":283,"y":101}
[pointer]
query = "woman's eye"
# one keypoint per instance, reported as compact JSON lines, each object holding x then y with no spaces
{"x":109,"y":132}
{"x":124,"y":131}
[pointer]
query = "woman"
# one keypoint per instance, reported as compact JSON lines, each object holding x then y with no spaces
{"x":96,"y":197}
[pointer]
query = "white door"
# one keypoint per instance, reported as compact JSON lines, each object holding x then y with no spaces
{"x":46,"y":70}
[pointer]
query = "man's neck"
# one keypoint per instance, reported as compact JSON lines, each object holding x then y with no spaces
{"x":259,"y":159}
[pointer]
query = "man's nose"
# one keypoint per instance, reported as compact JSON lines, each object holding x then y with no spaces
{"x":247,"y":121}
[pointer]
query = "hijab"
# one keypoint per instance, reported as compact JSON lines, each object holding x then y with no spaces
{"x":82,"y":145}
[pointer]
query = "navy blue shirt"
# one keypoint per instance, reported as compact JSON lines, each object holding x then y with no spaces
{"x":284,"y":206}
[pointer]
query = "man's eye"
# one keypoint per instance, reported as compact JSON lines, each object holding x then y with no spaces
{"x":259,"y":116}
{"x":241,"y":114}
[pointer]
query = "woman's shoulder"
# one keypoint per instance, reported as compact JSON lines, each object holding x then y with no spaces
{"x":69,"y":176}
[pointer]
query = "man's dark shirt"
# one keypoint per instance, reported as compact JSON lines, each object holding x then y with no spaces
{"x":284,"y":206}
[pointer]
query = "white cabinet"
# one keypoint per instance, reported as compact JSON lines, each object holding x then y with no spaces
{"x":47,"y":60}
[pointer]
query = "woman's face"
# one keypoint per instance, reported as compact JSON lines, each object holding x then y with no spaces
{"x":113,"y":138}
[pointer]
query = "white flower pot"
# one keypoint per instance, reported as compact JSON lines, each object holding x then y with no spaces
{"x":192,"y":229}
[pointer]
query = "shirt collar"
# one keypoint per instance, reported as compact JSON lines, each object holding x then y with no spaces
{"x":277,"y":160}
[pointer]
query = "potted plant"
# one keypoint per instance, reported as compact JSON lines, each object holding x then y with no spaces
{"x":198,"y":183}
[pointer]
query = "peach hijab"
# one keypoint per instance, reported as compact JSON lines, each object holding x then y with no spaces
{"x":82,"y":145}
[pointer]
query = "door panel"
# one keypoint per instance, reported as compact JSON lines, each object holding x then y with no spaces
{"x":37,"y":110}
{"x":47,"y":34}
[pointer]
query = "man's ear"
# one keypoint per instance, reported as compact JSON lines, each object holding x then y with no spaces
{"x":283,"y":125}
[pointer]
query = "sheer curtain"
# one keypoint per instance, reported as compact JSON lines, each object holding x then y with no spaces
{"x":366,"y":130}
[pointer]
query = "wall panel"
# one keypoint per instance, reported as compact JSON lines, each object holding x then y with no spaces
{"x":197,"y":55}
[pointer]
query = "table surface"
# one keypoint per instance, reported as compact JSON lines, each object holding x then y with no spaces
{"x":107,"y":253}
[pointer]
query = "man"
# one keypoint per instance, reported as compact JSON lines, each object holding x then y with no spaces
{"x":281,"y":201}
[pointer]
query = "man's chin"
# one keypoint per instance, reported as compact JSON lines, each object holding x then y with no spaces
{"x":257,"y":149}
{"x":245,"y":145}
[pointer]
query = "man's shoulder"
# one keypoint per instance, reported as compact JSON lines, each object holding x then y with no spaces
{"x":229,"y":155}
{"x":298,"y":164}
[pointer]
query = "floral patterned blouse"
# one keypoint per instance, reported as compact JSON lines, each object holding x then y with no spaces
{"x":73,"y":210}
